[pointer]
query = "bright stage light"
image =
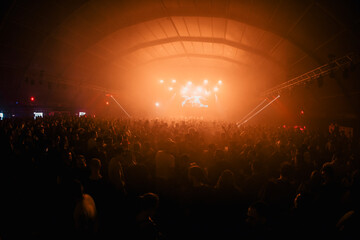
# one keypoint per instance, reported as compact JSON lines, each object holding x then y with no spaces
{"x":173,"y":81}
{"x":219,"y":82}
{"x":157,"y":104}
{"x":199,"y":89}
{"x":32,"y":99}
{"x":189,"y":83}
{"x":170,"y":88}
{"x":184,"y":90}
{"x":38,"y":114}
{"x":216,"y":89}
{"x":206,"y":81}
{"x":161,"y":81}
{"x":107,"y":103}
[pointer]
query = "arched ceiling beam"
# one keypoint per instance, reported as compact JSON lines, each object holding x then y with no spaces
{"x":223,"y":41}
{"x":194,"y":55}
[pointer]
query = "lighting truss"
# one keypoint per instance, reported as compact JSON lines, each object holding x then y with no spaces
{"x":326,"y":69}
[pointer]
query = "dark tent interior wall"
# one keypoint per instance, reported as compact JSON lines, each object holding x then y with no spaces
{"x":70,"y":54}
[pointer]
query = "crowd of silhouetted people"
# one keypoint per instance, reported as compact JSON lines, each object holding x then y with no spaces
{"x":89,"y":178}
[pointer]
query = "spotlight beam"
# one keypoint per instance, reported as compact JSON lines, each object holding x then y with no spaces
{"x":260,"y":110}
{"x":242,"y":119}
{"x":120,"y":106}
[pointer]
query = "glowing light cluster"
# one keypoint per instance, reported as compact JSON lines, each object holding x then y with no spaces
{"x":194,"y":101}
{"x":204,"y":89}
{"x":38,"y":114}
{"x":192,"y":94}
{"x":301,"y":128}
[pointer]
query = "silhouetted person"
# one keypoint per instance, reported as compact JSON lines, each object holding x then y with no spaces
{"x":329,"y":199}
{"x":348,"y":224}
{"x":85,"y":214}
{"x":77,"y":214}
{"x":304,"y":221}
{"x":199,"y":202}
{"x":95,"y":185}
{"x":80,"y":170}
{"x":144,"y":226}
{"x":258,"y":225}
{"x":255,"y":182}
{"x":228,"y":205}
{"x":279,"y":193}
{"x":116,"y":174}
{"x":164,"y":164}
{"x":138,"y":153}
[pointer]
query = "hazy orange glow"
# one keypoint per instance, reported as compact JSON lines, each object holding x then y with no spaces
{"x":88,"y":56}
